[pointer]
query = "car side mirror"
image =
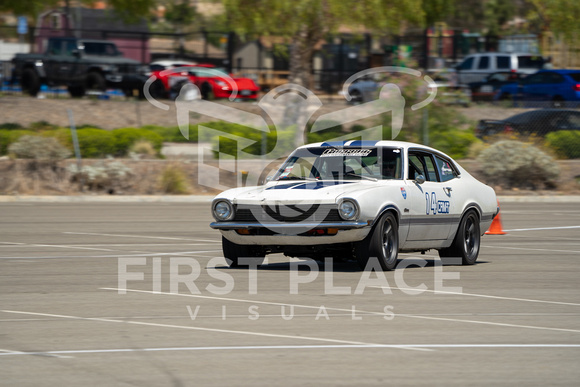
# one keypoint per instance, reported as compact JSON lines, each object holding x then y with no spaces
{"x":76,"y":53}
{"x":420,"y":179}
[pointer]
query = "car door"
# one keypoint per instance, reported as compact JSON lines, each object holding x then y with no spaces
{"x":431,"y":205}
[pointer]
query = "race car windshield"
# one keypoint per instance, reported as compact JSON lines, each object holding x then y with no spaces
{"x":342,"y":163}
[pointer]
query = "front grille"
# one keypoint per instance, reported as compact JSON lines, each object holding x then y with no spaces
{"x":287,"y":213}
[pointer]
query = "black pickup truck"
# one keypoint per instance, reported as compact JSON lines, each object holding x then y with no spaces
{"x":81,"y":65}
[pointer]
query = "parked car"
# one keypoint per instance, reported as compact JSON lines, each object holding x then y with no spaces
{"x":363,"y":90}
{"x":557,"y":88}
{"x":212,"y":82}
{"x":537,"y":122}
{"x":488,"y":87}
{"x":357,"y":200}
{"x":475,"y":67}
{"x":366,"y":89}
{"x":214,"y":85}
{"x":168,"y":84}
{"x":81,"y":65}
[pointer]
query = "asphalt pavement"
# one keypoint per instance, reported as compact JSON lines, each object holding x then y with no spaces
{"x":138,"y":294}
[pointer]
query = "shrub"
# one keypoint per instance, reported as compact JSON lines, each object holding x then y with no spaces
{"x":124,"y":138}
{"x":566,"y":143}
{"x":456,"y":143}
{"x":39,"y":126}
{"x":109,"y":175}
{"x":95,"y":143}
{"x":10,"y":126}
{"x":143,"y":148}
{"x":173,"y":133}
{"x":8,"y":137}
{"x":38,"y":148}
{"x":173,"y":180}
{"x":517,"y":164}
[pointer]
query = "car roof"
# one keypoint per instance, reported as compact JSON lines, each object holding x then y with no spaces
{"x":560,"y":71}
{"x":172,"y":62}
{"x":381,"y":143}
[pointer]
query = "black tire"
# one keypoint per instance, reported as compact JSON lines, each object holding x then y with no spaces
{"x":157,"y":90}
{"x":356,"y":97}
{"x":30,"y":82}
{"x":233,"y":252}
{"x":467,"y":240}
{"x":95,"y":81}
{"x":207,"y":92}
{"x":557,"y":102}
{"x":382,"y":244}
{"x":76,"y":91}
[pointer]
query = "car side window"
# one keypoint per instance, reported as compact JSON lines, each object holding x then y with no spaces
{"x":446,"y":171}
{"x":421,"y":164}
{"x":483,"y":63}
{"x":467,"y":64}
{"x":503,"y":62}
{"x":554,"y":78}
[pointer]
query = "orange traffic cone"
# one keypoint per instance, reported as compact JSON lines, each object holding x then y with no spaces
{"x":495,"y":228}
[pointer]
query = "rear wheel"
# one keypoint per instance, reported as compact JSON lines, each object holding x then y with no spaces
{"x":207,"y":92}
{"x":467,"y":240}
{"x":30,"y":82}
{"x":157,"y":90}
{"x":381,"y":244}
{"x":76,"y":91}
{"x":234,"y":252}
{"x":356,"y":97}
{"x":557,"y":102}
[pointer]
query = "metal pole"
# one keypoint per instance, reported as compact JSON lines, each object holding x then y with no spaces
{"x":77,"y":149}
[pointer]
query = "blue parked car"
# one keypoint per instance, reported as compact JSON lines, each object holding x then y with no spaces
{"x":557,"y":88}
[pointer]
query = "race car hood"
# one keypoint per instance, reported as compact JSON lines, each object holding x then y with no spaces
{"x":325,"y":191}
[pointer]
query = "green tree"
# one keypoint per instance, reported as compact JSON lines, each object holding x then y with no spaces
{"x":128,"y":9}
{"x":559,"y":16}
{"x":305,"y":22}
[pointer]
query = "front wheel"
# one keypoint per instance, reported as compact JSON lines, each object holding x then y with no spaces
{"x":96,"y":81}
{"x":467,"y":240}
{"x":30,"y":82}
{"x":382,"y":244}
{"x":234,"y":252}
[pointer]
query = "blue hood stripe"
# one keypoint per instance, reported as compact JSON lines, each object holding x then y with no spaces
{"x":310,"y":185}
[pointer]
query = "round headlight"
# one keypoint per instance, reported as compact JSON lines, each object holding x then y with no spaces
{"x":223,"y":210}
{"x":348,"y":209}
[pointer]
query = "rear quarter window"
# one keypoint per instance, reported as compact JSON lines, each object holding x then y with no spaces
{"x":575,"y":76}
{"x":503,"y":62}
{"x":530,"y":62}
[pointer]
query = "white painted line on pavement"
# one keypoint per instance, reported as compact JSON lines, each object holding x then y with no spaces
{"x":543,"y":228}
{"x":347,"y":310}
{"x":478,"y":295}
{"x":196,"y":328}
{"x":279,"y":347}
{"x":529,"y":249}
{"x":60,"y":246}
{"x":183,"y":253}
{"x":142,"y":236}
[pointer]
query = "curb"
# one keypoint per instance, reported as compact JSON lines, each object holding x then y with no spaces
{"x":209,"y":198}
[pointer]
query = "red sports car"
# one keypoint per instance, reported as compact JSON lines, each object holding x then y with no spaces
{"x":212,"y":82}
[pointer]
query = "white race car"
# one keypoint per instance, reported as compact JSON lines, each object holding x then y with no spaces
{"x":361,"y":200}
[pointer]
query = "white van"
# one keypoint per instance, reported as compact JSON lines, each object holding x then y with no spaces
{"x":475,"y":67}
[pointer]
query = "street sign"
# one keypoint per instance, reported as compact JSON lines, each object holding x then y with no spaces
{"x":22,"y":27}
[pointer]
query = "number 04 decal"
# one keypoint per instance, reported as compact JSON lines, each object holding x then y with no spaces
{"x":433,"y":206}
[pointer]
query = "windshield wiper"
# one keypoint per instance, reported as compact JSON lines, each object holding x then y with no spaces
{"x":362,"y":176}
